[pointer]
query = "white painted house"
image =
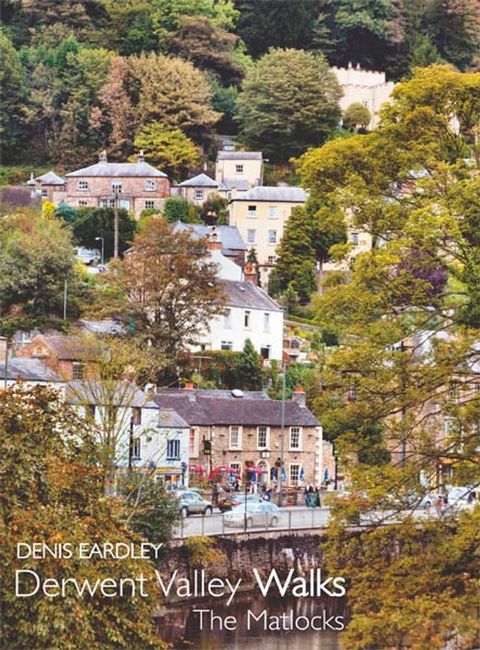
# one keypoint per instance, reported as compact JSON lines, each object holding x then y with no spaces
{"x":144,"y":435}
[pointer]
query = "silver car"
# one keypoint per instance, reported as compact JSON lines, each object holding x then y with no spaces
{"x":263,"y":514}
{"x":192,"y":503}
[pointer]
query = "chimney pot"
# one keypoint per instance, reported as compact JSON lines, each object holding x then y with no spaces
{"x":299,"y":396}
{"x":141,"y":156}
{"x":102,"y":157}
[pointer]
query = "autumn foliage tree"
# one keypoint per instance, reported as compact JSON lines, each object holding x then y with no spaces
{"x":168,"y":286}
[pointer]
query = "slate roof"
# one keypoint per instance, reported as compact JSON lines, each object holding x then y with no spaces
{"x":273,"y":193}
{"x":121,"y":393}
{"x":50,"y":178}
{"x":171,"y":419}
{"x":118,"y":170}
{"x":229,"y":235}
{"x":239,"y":155}
{"x":199,"y":409}
{"x":240,"y":184}
{"x":28,"y":370}
{"x":247,"y":295}
{"x":201,"y":180}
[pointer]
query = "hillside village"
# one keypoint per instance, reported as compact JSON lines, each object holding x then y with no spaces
{"x":239,"y":304}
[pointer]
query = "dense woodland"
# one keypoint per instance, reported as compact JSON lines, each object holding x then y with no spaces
{"x":81,"y":76}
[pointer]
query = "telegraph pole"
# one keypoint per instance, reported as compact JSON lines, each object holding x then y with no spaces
{"x":115,"y":224}
{"x":282,"y":440}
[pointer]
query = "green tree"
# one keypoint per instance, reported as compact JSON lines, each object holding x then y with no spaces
{"x":173,"y":92}
{"x":289,"y":102}
{"x":356,"y":116}
{"x":57,"y":497}
{"x":208,"y":47}
{"x":170,"y":149}
{"x":12,"y":97}
{"x":90,"y":223}
{"x":167,"y":14}
{"x":177,"y":208}
{"x":248,"y":372}
{"x":218,"y":205}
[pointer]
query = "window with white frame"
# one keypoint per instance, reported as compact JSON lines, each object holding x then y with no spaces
{"x":83,"y":185}
{"x":116,"y":186}
{"x":354,"y":239}
{"x":236,"y":469}
{"x":78,"y":370}
{"x":149,"y":205}
{"x":82,"y":203}
{"x":174,"y":191}
{"x":294,"y":474}
{"x":272,"y":211}
{"x":235,"y":437}
{"x":173,"y":450}
{"x":271,"y":259}
{"x":251,"y":236}
{"x":193,"y":443}
{"x":44,"y":193}
{"x":136,"y":449}
{"x":252,"y":211}
{"x":150,"y":186}
{"x":246,"y":318}
{"x":262,"y":437}
{"x":227,"y":319}
{"x":295,"y":438}
{"x":125,"y":204}
{"x":136,"y":415}
{"x":239,"y":169}
{"x":272,"y":236}
{"x":226,"y":345}
{"x":266,"y":322}
{"x":107,"y":203}
{"x":198,"y":195}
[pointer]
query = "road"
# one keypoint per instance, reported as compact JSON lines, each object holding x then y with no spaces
{"x":289,"y":518}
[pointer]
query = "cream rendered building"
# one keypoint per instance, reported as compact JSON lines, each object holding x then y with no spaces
{"x":260,"y":215}
{"x":366,"y":87}
{"x":239,"y":167}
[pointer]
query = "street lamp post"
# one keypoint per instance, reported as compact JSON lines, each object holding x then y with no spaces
{"x":102,"y":239}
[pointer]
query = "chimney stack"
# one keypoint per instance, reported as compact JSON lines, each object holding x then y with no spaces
{"x":141,"y":157}
{"x":250,"y":274}
{"x":214,"y":241}
{"x":188,"y":388}
{"x":299,"y":396}
{"x":102,"y":157}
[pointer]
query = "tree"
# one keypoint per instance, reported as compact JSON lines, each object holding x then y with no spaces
{"x":116,"y":110}
{"x":218,"y":205}
{"x":208,"y":47}
{"x":356,"y":116}
{"x":169,"y":287}
{"x":307,"y":239}
{"x":12,"y":97}
{"x":454,"y":30}
{"x":248,"y":371}
{"x":90,"y":223}
{"x":168,"y":148}
{"x":173,"y":92}
{"x":36,"y":257}
{"x":289,"y":102}
{"x":52,"y":493}
{"x":177,"y":208}
{"x":401,"y":382}
{"x":167,"y":14}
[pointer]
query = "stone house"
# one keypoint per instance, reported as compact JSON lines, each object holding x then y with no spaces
{"x":245,"y":433}
{"x":260,"y":215}
{"x":71,"y":357}
{"x":48,"y":186}
{"x":136,"y":186}
{"x":198,"y":189}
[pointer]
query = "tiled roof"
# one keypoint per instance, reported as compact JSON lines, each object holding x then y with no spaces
{"x":229,"y":235}
{"x":121,"y":393}
{"x":239,"y":155}
{"x":270,"y":193}
{"x":247,"y":295}
{"x":28,"y":370}
{"x":199,"y":409}
{"x":201,"y":180}
{"x":118,"y":170}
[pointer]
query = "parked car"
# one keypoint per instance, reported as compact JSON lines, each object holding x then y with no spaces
{"x":87,"y":255}
{"x":263,"y":514}
{"x":192,"y":503}
{"x":237,"y":499}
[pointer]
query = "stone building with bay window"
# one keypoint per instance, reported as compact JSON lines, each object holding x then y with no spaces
{"x":245,"y":433}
